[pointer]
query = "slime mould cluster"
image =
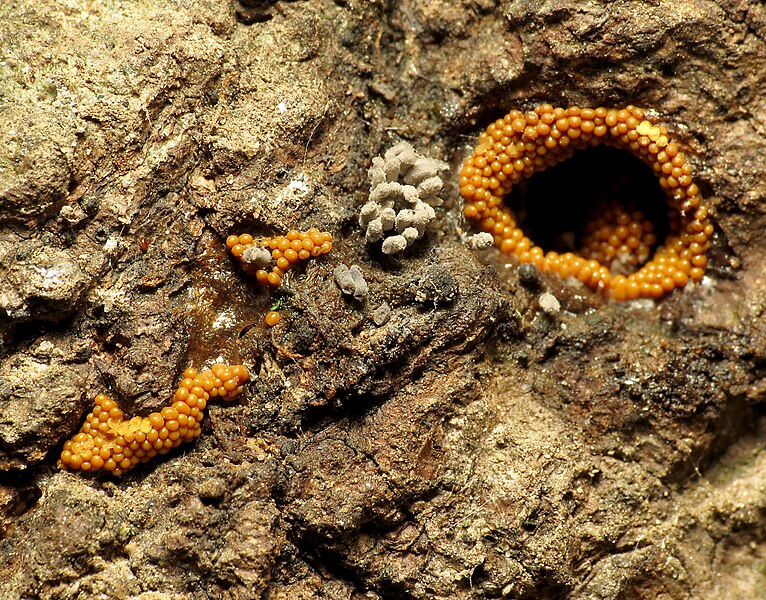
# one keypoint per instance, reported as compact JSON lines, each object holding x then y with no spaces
{"x":286,"y":250}
{"x":107,"y":441}
{"x":520,"y":144}
{"x":280,"y":252}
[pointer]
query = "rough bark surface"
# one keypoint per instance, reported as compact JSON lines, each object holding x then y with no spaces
{"x":474,"y":446}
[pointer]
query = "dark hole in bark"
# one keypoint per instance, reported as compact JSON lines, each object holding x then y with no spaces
{"x":554,"y":205}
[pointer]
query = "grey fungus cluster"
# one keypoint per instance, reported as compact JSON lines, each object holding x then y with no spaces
{"x":404,"y":189}
{"x":481,"y":241}
{"x":257,"y":256}
{"x":351,"y":281}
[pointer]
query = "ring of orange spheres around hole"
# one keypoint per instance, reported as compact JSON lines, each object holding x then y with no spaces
{"x":107,"y":441}
{"x":520,"y":144}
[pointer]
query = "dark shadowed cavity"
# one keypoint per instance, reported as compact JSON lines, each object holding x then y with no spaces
{"x":554,"y":205}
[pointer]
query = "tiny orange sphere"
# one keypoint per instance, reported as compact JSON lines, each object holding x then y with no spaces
{"x":283,"y":263}
{"x":272,"y":318}
{"x":156,"y":420}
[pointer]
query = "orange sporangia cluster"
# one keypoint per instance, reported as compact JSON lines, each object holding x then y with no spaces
{"x":520,"y":144}
{"x":107,"y":441}
{"x":617,"y":237}
{"x":286,"y":250}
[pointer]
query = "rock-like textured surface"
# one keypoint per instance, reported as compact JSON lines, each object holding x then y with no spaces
{"x":466,"y":444}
